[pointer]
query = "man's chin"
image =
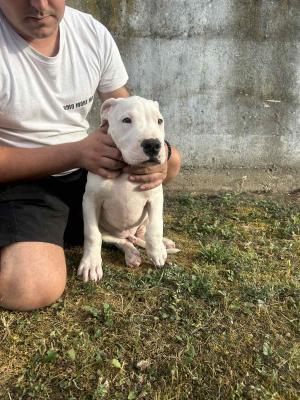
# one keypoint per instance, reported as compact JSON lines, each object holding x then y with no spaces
{"x":41,"y":31}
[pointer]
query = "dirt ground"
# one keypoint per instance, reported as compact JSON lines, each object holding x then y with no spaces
{"x":205,"y":180}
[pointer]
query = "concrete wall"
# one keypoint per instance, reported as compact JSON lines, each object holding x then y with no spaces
{"x":225,"y":72}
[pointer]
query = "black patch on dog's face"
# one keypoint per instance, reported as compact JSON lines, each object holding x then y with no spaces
{"x":151,"y":147}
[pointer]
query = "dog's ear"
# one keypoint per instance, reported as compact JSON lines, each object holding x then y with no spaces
{"x":156,"y":104}
{"x":105,"y":108}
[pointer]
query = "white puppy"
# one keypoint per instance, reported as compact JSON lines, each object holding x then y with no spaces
{"x":115,"y":210}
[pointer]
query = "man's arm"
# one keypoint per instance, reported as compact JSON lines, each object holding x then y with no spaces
{"x":96,"y":153}
{"x":20,"y":163}
{"x":121,"y":92}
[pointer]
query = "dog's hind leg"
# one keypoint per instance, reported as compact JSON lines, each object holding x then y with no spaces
{"x":132,"y":255}
{"x":138,"y":240}
{"x":170,"y":246}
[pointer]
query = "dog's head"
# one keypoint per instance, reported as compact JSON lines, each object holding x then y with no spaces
{"x":137,"y":128}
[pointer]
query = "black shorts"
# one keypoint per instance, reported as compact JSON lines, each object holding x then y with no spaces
{"x":45,"y":210}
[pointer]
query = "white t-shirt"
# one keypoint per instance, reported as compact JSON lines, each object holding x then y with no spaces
{"x":45,"y":100}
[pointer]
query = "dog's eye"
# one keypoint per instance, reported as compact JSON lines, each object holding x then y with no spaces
{"x":160,"y":121}
{"x":127,"y":120}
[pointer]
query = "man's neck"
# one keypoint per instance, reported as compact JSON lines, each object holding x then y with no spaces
{"x":48,"y":47}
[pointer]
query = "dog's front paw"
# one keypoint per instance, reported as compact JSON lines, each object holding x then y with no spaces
{"x":90,"y":267}
{"x":158,"y":255}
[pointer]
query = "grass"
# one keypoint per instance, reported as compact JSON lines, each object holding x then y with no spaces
{"x":221,"y":321}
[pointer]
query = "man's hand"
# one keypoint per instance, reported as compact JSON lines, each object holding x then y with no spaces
{"x":149,"y":175}
{"x":100,"y":155}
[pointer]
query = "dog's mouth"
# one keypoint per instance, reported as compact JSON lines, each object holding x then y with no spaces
{"x":151,"y":161}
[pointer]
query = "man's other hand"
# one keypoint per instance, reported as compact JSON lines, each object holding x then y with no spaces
{"x":149,"y":175}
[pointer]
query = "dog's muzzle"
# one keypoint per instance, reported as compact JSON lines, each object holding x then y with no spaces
{"x":151,"y":147}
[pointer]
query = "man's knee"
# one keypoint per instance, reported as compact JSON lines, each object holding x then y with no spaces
{"x":25,"y":295}
{"x":29,"y":284}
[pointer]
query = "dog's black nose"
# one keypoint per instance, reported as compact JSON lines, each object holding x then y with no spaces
{"x":151,"y":147}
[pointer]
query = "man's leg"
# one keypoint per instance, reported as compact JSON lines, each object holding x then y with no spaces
{"x":32,"y":275}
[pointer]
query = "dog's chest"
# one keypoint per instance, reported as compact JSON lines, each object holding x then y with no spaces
{"x":123,"y":205}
